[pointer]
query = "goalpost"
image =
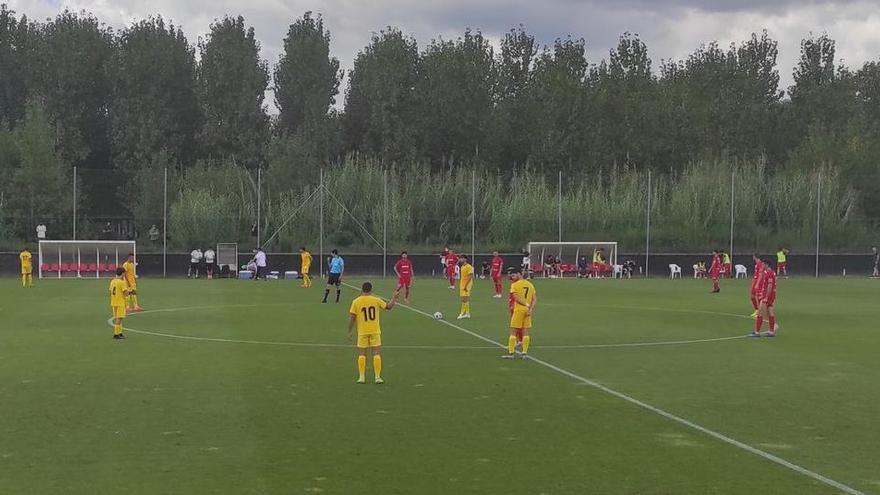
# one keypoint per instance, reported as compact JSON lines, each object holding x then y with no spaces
{"x":82,"y":259}
{"x":569,"y":253}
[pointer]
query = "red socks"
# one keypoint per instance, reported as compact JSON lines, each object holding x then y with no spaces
{"x":759,"y":323}
{"x":772,"y":321}
{"x":497,"y":288}
{"x":754,"y":302}
{"x":519,"y":335}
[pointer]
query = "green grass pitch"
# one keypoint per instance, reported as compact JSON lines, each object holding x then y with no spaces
{"x":244,"y":405}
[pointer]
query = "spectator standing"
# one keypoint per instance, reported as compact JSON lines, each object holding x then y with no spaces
{"x":876,"y":253}
{"x":210,"y":259}
{"x":154,"y":233}
{"x":260,"y":261}
{"x":195,"y":258}
{"x":41,"y":232}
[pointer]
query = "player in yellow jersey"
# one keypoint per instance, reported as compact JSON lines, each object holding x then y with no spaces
{"x":27,"y":268}
{"x":465,"y":284}
{"x":365,"y":311}
{"x":131,"y":283}
{"x":118,"y":295}
{"x":524,"y":298}
{"x":305,"y":264}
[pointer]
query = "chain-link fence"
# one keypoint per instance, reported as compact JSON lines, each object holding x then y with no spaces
{"x":367,"y":209}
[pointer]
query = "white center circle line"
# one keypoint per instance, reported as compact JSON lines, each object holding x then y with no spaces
{"x":423,"y":347}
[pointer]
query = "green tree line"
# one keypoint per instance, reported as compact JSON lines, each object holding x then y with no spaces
{"x":126,"y":105}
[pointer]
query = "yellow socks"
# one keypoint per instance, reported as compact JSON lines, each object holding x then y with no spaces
{"x":511,"y":344}
{"x":377,"y":366}
{"x":117,"y":329}
{"x":527,"y":339}
{"x":24,"y":280}
{"x":306,"y":281}
{"x":465,"y":308}
{"x":362,"y":366}
{"x":134,"y":300}
{"x":30,"y":280}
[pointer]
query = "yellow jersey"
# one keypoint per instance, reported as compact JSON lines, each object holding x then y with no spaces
{"x":25,"y":257}
{"x":305,"y":261}
{"x":725,"y":259}
{"x":130,"y":276}
{"x":367,"y":308}
{"x":467,"y":276}
{"x":117,"y":292}
{"x":525,"y":290}
{"x":780,"y":256}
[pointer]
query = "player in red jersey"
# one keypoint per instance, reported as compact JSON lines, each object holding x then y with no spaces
{"x":756,"y":283}
{"x":715,"y":271}
{"x":766,"y":302}
{"x":451,"y":263}
{"x":495,"y":272}
{"x":403,"y":269}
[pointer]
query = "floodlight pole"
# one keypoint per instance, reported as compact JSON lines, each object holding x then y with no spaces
{"x":559,"y":205}
{"x":165,"y":223}
{"x":732,"y":179}
{"x":74,"y":203}
{"x":818,"y":217}
{"x":385,"y":223}
{"x":321,"y":224}
{"x":648,"y":225}
{"x":473,"y":214}
{"x":259,"y":201}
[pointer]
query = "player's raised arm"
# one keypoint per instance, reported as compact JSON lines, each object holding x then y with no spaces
{"x":390,"y":304}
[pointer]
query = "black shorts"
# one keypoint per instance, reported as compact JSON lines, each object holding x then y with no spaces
{"x":209,"y":266}
{"x":334,"y":279}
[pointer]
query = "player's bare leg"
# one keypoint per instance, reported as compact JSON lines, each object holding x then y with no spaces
{"x":406,"y":295}
{"x":755,"y":306}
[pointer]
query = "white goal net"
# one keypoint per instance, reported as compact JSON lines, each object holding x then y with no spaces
{"x":83,"y":259}
{"x":570,"y":259}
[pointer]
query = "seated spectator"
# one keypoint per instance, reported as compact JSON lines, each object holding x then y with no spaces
{"x":700,"y":269}
{"x":583,"y":267}
{"x":548,"y":265}
{"x":484,"y":270}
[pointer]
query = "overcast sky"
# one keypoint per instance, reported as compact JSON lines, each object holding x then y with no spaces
{"x":670,"y":28}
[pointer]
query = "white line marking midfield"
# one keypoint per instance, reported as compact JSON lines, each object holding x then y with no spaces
{"x":719,"y":436}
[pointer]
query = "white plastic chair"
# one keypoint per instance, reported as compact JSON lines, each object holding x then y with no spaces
{"x":617,"y":271}
{"x":674,"y":270}
{"x":741,"y":270}
{"x":696,"y":268}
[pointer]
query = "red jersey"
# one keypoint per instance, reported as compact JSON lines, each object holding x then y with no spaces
{"x":497,"y":265}
{"x":716,"y":265}
{"x":768,"y":283}
{"x":756,"y":276}
{"x":451,"y":261}
{"x":403,"y":267}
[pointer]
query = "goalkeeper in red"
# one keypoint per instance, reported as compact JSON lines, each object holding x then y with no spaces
{"x":495,"y":272}
{"x":404,"y":270}
{"x":766,"y":303}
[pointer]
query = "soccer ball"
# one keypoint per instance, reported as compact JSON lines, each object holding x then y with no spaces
{"x":438,"y":315}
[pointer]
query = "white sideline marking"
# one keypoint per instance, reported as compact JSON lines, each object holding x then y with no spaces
{"x":430,"y":347}
{"x":632,"y":400}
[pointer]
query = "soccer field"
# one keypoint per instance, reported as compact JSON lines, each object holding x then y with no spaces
{"x":636,"y":387}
